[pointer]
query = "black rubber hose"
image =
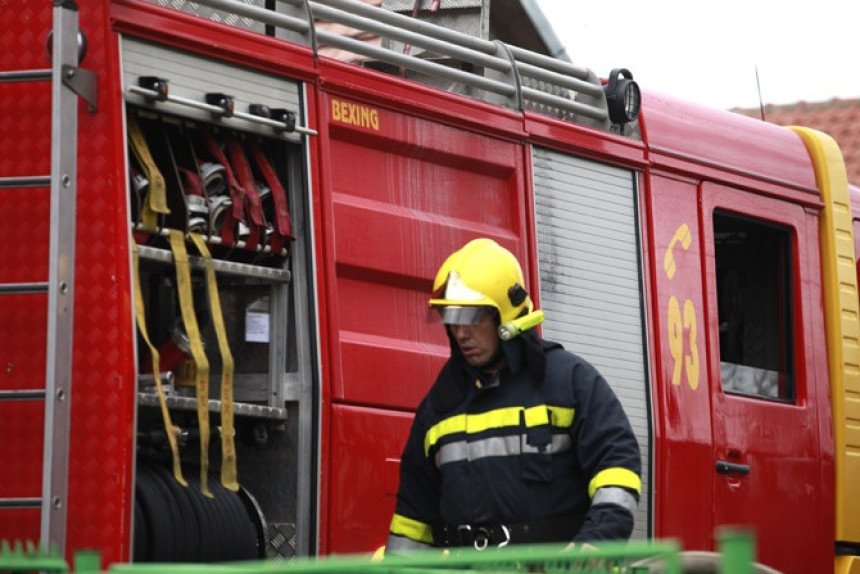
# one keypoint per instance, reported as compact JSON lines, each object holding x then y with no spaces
{"x":177,"y":520}
{"x":205,"y":519}
{"x":244,"y":531}
{"x":224,"y":499}
{"x":176,"y":524}
{"x":141,"y":524}
{"x":189,"y":526}
{"x":218,"y":546}
{"x":162,"y":517}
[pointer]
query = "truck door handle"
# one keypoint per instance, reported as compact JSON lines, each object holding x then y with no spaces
{"x":724,"y":467}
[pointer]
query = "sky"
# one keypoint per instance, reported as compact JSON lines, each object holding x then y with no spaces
{"x":710,"y":52}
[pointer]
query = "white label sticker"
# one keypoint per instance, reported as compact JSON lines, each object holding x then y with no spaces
{"x":256,"y":327}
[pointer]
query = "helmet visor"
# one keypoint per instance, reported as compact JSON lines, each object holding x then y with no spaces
{"x":457,"y":315}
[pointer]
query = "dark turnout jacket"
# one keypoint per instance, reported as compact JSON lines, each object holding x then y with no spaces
{"x":543,"y":449}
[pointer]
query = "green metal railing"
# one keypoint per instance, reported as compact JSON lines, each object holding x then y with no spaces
{"x":24,"y":557}
{"x":27,"y":557}
{"x":615,"y":558}
{"x":737,"y":555}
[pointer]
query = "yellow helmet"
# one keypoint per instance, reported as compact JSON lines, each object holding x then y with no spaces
{"x":481,"y":274}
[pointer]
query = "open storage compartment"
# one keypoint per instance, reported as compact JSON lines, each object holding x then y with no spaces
{"x":217,"y":212}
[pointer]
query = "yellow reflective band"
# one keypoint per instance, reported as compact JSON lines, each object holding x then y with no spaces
{"x":445,"y":427}
{"x":615,"y":477}
{"x":229,"y":475}
{"x":201,"y":364}
{"x":412,"y":529}
{"x":561,"y":417}
{"x":536,"y":416}
{"x":140,"y":314}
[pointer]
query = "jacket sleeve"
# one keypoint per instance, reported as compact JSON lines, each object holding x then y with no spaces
{"x":418,"y":496}
{"x":609,"y":455}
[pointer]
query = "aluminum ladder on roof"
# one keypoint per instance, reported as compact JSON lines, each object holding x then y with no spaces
{"x":67,"y":82}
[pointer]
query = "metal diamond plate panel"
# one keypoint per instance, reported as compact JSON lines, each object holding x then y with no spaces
{"x":22,"y":342}
{"x":25,"y":122}
{"x":281,"y":541}
{"x":24,"y":227}
{"x":103,"y":382}
{"x":469,"y":17}
{"x":409,"y":5}
{"x":101,"y":436}
{"x":215,"y":15}
{"x":21,"y":471}
{"x":22,"y":367}
{"x":25,"y":125}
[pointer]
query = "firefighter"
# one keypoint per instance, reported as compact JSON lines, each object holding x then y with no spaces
{"x":518,"y":441}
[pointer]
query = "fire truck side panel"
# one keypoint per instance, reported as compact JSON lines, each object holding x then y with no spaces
{"x":366,"y":447}
{"x":683,"y":477}
{"x":104,"y":362}
{"x":761,"y":222}
{"x":774,"y":432}
{"x":591,"y":277}
{"x":401,"y":192}
{"x":349,"y":81}
{"x":712,"y":138}
{"x":400,"y":175}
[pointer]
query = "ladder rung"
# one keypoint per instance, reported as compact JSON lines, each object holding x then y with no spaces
{"x":25,"y":75}
{"x":22,"y":288}
{"x":25,"y":181}
{"x":20,"y":502}
{"x":22,"y":395}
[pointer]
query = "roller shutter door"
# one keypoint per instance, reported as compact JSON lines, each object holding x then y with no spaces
{"x":589,"y":263}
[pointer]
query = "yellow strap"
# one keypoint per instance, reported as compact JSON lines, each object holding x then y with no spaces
{"x":155,"y":201}
{"x":229,"y":477}
{"x":201,"y":364}
{"x":162,"y":400}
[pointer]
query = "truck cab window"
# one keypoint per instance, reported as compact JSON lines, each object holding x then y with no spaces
{"x":753,"y":267}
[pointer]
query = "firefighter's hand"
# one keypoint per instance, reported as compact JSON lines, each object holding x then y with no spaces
{"x":581,"y":546}
{"x":378,"y":555}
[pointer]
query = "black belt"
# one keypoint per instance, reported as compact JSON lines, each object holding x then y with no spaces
{"x":480,"y":536}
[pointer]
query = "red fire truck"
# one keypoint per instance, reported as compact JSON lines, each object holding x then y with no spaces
{"x":218,"y":242}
